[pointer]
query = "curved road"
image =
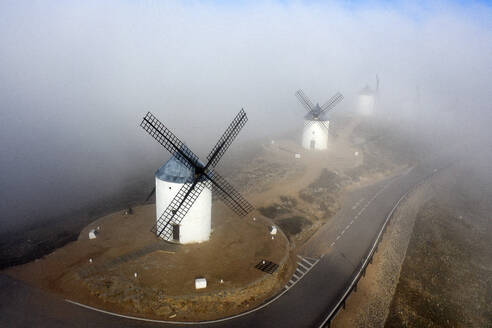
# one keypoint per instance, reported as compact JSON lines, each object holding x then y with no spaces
{"x":340,"y":246}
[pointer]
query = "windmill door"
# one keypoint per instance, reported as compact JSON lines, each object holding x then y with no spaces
{"x":176,"y":232}
{"x":312,"y":144}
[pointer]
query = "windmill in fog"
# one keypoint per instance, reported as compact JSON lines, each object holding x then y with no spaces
{"x":183,"y":185}
{"x":367,"y":99}
{"x":316,"y":124}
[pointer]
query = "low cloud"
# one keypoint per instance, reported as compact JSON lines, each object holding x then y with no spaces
{"x":76,"y":78}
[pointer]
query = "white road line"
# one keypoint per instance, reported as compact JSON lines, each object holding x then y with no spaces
{"x":300,"y":264}
{"x":298,"y":274}
{"x":307,"y":262}
{"x":348,"y":226}
{"x":352,"y":222}
{"x":338,"y":237}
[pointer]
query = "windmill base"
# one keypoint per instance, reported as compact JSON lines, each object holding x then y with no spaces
{"x":195,"y":226}
{"x":315,"y":135}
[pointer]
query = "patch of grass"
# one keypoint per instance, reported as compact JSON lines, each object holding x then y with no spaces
{"x":327,"y":179}
{"x":273,"y":211}
{"x":328,"y":183}
{"x":293,"y":225}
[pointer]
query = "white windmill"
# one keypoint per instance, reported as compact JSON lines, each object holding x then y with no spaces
{"x":316,"y":124}
{"x":367,"y":99}
{"x":196,"y":225}
{"x":183,"y":185}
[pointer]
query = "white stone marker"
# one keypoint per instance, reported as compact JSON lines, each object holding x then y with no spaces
{"x":92,"y":234}
{"x":200,"y":283}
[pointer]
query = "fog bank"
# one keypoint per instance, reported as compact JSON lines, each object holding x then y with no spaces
{"x":76,"y":79}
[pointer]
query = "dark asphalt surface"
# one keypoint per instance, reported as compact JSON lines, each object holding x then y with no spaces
{"x":344,"y":244}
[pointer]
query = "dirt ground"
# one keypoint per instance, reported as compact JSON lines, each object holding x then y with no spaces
{"x":446,"y":279}
{"x":165,"y":273}
{"x":298,"y":195}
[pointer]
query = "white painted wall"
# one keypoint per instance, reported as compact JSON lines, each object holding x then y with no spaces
{"x":365,"y":104}
{"x":316,"y":132}
{"x":196,"y":225}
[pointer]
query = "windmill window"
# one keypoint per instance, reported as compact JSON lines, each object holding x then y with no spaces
{"x":169,"y":188}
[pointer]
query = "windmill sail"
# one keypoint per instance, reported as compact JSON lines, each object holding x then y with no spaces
{"x":332,"y":102}
{"x":177,"y":209}
{"x":150,"y":195}
{"x":227,"y":138}
{"x":204,"y":175}
{"x":229,"y":195}
{"x":304,"y":100}
{"x":167,"y":139}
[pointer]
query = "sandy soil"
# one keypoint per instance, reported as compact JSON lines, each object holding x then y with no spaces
{"x":308,"y":195}
{"x":165,"y":273}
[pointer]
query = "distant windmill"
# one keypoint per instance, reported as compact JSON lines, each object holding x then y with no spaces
{"x":184,"y":185}
{"x":367,"y":99}
{"x":316,"y":124}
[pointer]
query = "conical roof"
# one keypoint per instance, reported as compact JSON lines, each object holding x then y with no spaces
{"x":366,"y":91}
{"x":174,"y":171}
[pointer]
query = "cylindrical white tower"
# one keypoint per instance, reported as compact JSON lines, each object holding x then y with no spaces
{"x":315,"y":134}
{"x":196,"y":225}
{"x":365,"y":102}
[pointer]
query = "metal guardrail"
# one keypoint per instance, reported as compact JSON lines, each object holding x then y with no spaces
{"x":361,"y":273}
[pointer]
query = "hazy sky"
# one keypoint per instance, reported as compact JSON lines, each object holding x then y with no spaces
{"x":76,"y":78}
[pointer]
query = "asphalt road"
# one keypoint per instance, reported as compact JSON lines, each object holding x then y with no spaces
{"x":341,"y":247}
